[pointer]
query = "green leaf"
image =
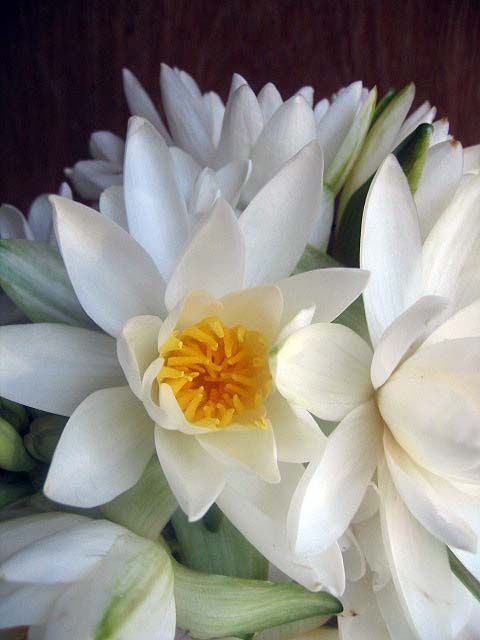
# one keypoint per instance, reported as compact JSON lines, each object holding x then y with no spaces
{"x":411,"y":154}
{"x":13,"y":455}
{"x":12,"y":491}
{"x":378,"y":143}
{"x":291,"y":629}
{"x":463,"y":574}
{"x":351,"y":146}
{"x":214,"y":545}
{"x":313,"y":258}
{"x":43,"y":436}
{"x":15,"y":414}
{"x":382,"y":105}
{"x":146,"y":508}
{"x":34,"y":277}
{"x":211,"y":606}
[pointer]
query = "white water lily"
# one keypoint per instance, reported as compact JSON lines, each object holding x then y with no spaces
{"x":199,"y":382}
{"x":411,"y":401}
{"x":38,"y":226}
{"x":66,"y":576}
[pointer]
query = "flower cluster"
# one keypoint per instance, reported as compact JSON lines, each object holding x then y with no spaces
{"x":210,"y":425}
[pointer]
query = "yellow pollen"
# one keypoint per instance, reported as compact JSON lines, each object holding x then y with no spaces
{"x":219,"y":374}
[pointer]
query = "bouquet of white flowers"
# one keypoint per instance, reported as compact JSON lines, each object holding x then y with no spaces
{"x":240,"y":390}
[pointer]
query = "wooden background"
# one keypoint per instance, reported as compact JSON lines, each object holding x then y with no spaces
{"x":61,"y":63}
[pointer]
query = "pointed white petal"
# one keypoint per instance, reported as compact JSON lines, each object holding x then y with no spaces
{"x":332,"y":489}
{"x":140,"y":104}
{"x":424,"y":114}
{"x":156,"y":211}
{"x":330,"y":290}
{"x":205,"y":192}
{"x":216,"y":111}
{"x":440,"y":179}
{"x":279,"y":220}
{"x":440,"y":132}
{"x":91,"y":177}
{"x":297,"y":436}
{"x":302,"y":319}
{"x":369,"y":536}
{"x":231,"y":179}
{"x":113,"y":277}
{"x":54,"y":367}
{"x":289,"y":130}
{"x":471,"y":159}
{"x":269,"y":100}
{"x":40,"y":219}
{"x":320,"y":236}
{"x":324,"y":368}
{"x":213,"y":259}
{"x":390,"y":248}
{"x":321,"y":109}
{"x":186,"y":171}
{"x":361,"y":618}
{"x":112,"y":205}
{"x":105,"y":145}
{"x":306,"y":93}
{"x":13,"y":223}
{"x":26,"y":604}
{"x":403,"y":335}
{"x":194,"y":476}
{"x":392,"y":613}
{"x":463,"y":324}
{"x":137,"y":348}
{"x":103,"y":450}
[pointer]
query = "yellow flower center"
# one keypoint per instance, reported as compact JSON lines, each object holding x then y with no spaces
{"x":218,"y":374}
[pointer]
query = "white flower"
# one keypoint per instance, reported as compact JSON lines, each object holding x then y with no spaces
{"x":410,"y":406}
{"x":228,"y":416}
{"x":67,"y":576}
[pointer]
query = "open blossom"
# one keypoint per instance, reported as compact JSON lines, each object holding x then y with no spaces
{"x":409,"y":407}
{"x":66,"y":576}
{"x":199,"y":382}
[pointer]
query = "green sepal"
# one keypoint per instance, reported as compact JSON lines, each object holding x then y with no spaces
{"x":146,"y":508}
{"x":14,"y":413}
{"x":382,"y":105}
{"x":10,"y":492}
{"x":212,"y":606}
{"x":43,"y":436}
{"x":13,"y":456}
{"x":214,"y":545}
{"x":468,"y":580}
{"x":34,"y":277}
{"x":411,"y":154}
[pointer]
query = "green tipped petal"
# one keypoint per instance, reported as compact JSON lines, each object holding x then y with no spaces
{"x":34,"y":277}
{"x":13,"y":456}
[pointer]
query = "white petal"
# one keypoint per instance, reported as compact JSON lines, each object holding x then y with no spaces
{"x":302,"y":319}
{"x":448,"y":245}
{"x":186,"y":117}
{"x":288,"y":130}
{"x":440,"y":179}
{"x":259,"y":510}
{"x":324,"y":368}
{"x":259,"y":309}
{"x":194,"y":476}
{"x":13,"y":223}
{"x":403,"y":335}
{"x":253,"y":449}
{"x":91,"y":177}
{"x":307,"y":93}
{"x":137,"y":348}
{"x":471,"y":159}
{"x":112,"y":205}
{"x":242,"y":124}
{"x":369,"y":536}
{"x":320,"y":236}
{"x":425,"y":113}
{"x":213,"y":259}
{"x":140,"y":104}
{"x":26,"y":604}
{"x":440,"y":132}
{"x":156,"y":211}
{"x":215,"y":110}
{"x":431,"y":406}
{"x":103,"y":450}
{"x":353,"y":557}
{"x":297,"y":435}
{"x":333,"y":127}
{"x":40,"y":219}
{"x":321,"y":109}
{"x":105,"y":145}
{"x":278,"y":222}
{"x":332,"y":489}
{"x":463,"y":324}
{"x":186,"y":171}
{"x":427,"y":499}
{"x":204,"y":194}
{"x":330,"y":290}
{"x":54,"y":367}
{"x":269,"y":100}
{"x":113,"y":277}
{"x":392,"y":613}
{"x":361,"y":618}
{"x":419,"y":566}
{"x":231,"y":179}
{"x":390,"y":248}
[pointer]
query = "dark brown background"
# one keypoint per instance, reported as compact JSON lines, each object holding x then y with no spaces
{"x":61,"y":63}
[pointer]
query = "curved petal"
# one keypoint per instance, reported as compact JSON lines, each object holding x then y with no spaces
{"x":463,"y":324}
{"x":269,"y":100}
{"x":137,"y":348}
{"x":290,"y":128}
{"x":54,"y":367}
{"x":91,"y":177}
{"x":212,"y":260}
{"x":112,"y":205}
{"x":231,"y":179}
{"x":390,"y":248}
{"x":40,"y":219}
{"x":156,"y":211}
{"x":186,"y":171}
{"x":403,"y":335}
{"x":140,"y":104}
{"x":369,"y":536}
{"x":105,"y":145}
{"x":103,"y":450}
{"x":297,"y":435}
{"x":332,"y":489}
{"x":26,"y":604}
{"x":13,"y":223}
{"x":195,"y":477}
{"x":279,"y":220}
{"x":427,"y":500}
{"x":419,"y":566}
{"x":253,"y":449}
{"x":113,"y":277}
{"x":330,"y":290}
{"x":324,"y":368}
